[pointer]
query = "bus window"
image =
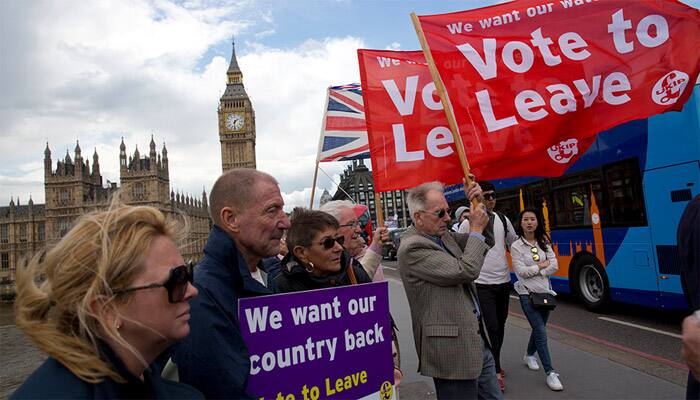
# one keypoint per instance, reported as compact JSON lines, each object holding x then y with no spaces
{"x":534,"y":194}
{"x":508,"y":203}
{"x":571,"y":199}
{"x":625,"y":195}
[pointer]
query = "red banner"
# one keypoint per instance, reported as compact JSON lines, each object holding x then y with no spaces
{"x":531,"y":82}
{"x":409,"y":137}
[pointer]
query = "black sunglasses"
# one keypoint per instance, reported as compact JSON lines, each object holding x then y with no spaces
{"x":329,"y":242}
{"x":176,"y":284}
{"x":439,"y":213}
{"x":489,"y":196}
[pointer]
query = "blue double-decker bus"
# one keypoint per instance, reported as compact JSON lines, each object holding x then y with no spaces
{"x":613,"y":215}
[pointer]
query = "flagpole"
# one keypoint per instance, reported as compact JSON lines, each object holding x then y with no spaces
{"x":449,"y":112}
{"x":313,"y":186}
{"x":378,"y":210}
{"x":318,"y":150}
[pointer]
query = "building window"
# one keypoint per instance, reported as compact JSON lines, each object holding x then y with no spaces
{"x":4,"y":236}
{"x":41,"y":232}
{"x":139,"y":191}
{"x":63,"y":197}
{"x":23,"y":233}
{"x":4,"y":260}
{"x":63,"y":226}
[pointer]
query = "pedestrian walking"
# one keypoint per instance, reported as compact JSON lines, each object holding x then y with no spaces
{"x":104,"y":303}
{"x":534,"y":262}
{"x":438,"y":269}
{"x":493,"y":284}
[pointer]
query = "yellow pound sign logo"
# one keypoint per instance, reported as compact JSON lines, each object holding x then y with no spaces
{"x":386,"y":391}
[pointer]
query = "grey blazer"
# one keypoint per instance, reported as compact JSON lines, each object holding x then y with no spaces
{"x":445,"y":328}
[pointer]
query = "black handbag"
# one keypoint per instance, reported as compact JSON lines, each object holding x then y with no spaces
{"x":543,"y":301}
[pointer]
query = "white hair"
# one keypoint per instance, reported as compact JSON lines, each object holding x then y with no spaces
{"x":334,"y":207}
{"x":417,"y":197}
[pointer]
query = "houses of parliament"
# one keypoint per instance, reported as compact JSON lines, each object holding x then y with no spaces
{"x":74,"y":186}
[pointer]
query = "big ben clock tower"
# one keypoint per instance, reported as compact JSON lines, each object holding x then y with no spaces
{"x":236,"y":121}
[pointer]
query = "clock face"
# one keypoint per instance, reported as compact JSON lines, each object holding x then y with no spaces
{"x":234,"y":122}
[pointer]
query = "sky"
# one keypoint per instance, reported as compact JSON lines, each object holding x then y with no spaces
{"x":97,"y":71}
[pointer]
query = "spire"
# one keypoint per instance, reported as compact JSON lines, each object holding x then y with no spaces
{"x":204,"y":198}
{"x":12,"y":201}
{"x":152,"y":145}
{"x":67,"y":159}
{"x":47,"y":161}
{"x":233,"y":66}
{"x":122,"y":155}
{"x":77,"y":150}
{"x":95,"y":163}
{"x":31,"y":202}
{"x":234,"y":76}
{"x":165,"y":151}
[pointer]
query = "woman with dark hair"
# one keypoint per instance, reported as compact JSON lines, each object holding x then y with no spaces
{"x":317,"y":260}
{"x":316,"y":257}
{"x":534,"y":262}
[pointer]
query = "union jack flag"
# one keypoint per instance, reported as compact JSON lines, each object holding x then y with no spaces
{"x":344,"y":132}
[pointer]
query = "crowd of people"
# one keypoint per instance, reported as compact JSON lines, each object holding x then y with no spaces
{"x":116,"y":307}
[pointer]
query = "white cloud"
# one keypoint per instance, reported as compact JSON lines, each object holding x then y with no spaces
{"x":110,"y":69}
{"x":287,"y":88}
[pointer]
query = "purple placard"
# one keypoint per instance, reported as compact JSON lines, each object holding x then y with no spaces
{"x":292,"y":359}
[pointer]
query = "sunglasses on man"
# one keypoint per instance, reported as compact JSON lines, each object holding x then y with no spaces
{"x":329,"y":242}
{"x":489,"y":196}
{"x":439,"y":213}
{"x":176,"y":285}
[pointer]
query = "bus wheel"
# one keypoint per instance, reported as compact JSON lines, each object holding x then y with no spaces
{"x":591,"y":283}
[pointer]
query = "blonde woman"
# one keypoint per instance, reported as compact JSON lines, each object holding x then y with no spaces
{"x":103,"y":304}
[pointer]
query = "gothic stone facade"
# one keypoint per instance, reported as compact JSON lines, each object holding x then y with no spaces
{"x":236,"y":121}
{"x":75,"y":188}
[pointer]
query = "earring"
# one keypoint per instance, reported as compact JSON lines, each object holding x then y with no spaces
{"x":309,"y":267}
{"x":117,"y":325}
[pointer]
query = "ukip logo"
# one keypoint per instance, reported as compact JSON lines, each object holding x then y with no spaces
{"x":563,"y":152}
{"x":669,"y":88}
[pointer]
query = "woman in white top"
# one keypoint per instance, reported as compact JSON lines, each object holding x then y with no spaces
{"x":534,"y":262}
